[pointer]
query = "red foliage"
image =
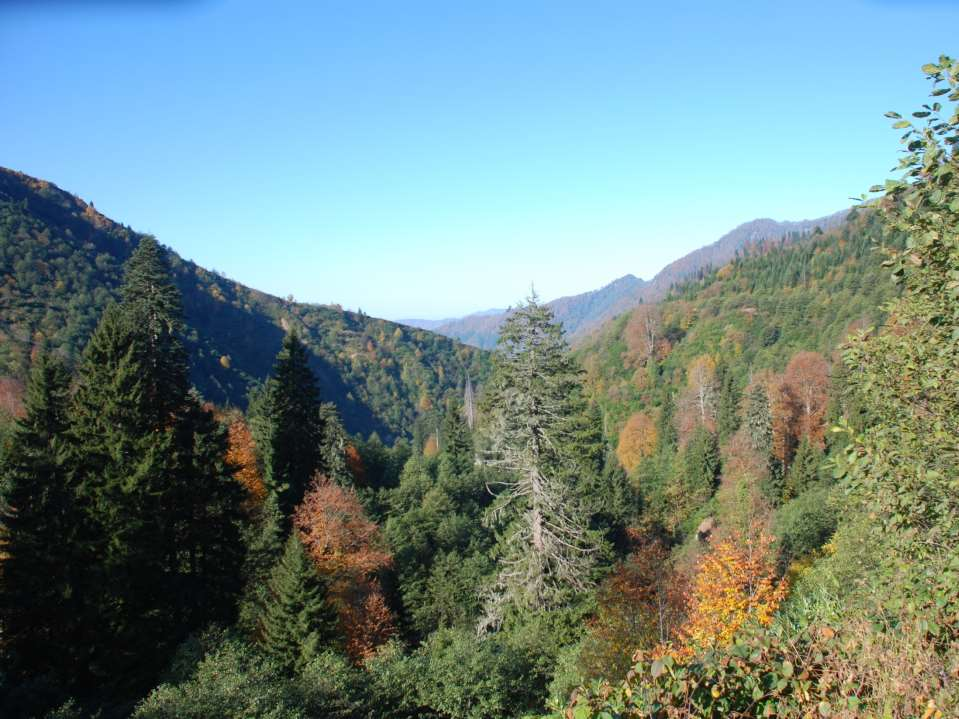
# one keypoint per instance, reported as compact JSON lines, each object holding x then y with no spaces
{"x":806,"y":383}
{"x":365,"y":619}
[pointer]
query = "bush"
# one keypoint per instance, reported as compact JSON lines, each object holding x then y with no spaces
{"x":805,"y":524}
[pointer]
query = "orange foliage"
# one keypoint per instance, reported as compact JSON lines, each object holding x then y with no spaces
{"x":365,"y":620}
{"x":636,"y":441}
{"x":241,"y":455}
{"x":806,"y":384}
{"x":347,"y":547}
{"x":641,"y":335}
{"x":355,"y":464}
{"x":337,"y":533}
{"x":735,"y":583}
{"x":431,"y":447}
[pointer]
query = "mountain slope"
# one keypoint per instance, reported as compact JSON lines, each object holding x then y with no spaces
{"x":753,"y":313}
{"x":61,"y":264}
{"x":584,"y":313}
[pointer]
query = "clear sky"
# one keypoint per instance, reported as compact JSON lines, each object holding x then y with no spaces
{"x":428,"y":159}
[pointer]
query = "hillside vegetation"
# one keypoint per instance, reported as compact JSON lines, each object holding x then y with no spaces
{"x":60,"y":264}
{"x":742,"y":501}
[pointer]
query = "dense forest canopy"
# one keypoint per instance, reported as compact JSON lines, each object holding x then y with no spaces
{"x":740,"y":501}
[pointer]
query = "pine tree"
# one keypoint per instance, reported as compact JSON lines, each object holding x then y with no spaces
{"x":295,"y":425}
{"x":298,"y":621}
{"x":546,"y":550}
{"x":151,"y":302}
{"x":38,"y":615}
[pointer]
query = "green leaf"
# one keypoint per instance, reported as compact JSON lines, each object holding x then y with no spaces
{"x":930,"y":68}
{"x":901,"y":124}
{"x":787,"y":669}
{"x":657,"y":669}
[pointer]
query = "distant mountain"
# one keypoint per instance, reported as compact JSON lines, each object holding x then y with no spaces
{"x":61,"y":264}
{"x":584,"y":313}
{"x":433,"y":324}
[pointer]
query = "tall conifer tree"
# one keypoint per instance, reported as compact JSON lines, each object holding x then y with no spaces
{"x":547,"y":551}
{"x":38,"y":615}
{"x":295,"y":424}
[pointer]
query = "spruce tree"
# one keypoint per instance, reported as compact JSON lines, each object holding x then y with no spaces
{"x":701,"y":465}
{"x":804,"y":470}
{"x":759,"y":422}
{"x":295,"y":425}
{"x":38,"y":615}
{"x":333,"y":446}
{"x":666,"y":435}
{"x":161,"y":531}
{"x":457,"y":456}
{"x":546,"y":551}
{"x":264,"y":546}
{"x":727,"y":413}
{"x":298,"y":621}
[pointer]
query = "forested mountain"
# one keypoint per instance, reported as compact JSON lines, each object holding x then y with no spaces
{"x":585,"y":313}
{"x":60,"y":262}
{"x":774,"y":299}
{"x":739,"y":501}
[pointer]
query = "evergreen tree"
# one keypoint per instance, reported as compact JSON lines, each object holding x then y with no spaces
{"x":727,"y":413}
{"x":701,"y":466}
{"x":457,"y":454}
{"x":152,"y":304}
{"x":38,"y":615}
{"x":295,"y":441}
{"x":298,"y":621}
{"x":264,"y":546}
{"x":161,"y":532}
{"x":333,"y":446}
{"x":804,"y":470}
{"x":759,"y":420}
{"x":546,"y":552}
{"x":666,"y":434}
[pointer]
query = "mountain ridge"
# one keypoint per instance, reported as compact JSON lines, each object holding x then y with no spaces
{"x":584,"y":313}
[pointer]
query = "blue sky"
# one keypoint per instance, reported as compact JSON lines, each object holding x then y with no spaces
{"x":428,"y":159}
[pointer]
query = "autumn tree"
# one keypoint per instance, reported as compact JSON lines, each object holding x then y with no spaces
{"x":636,"y":441}
{"x":642,"y":334}
{"x":697,"y":403}
{"x":806,"y":383}
{"x":639,"y":606}
{"x":348,"y":549}
{"x":735,"y":582}
{"x":241,"y":457}
{"x":533,"y":400}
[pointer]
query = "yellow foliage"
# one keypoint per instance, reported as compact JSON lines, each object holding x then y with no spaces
{"x":636,"y":441}
{"x":735,"y":583}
